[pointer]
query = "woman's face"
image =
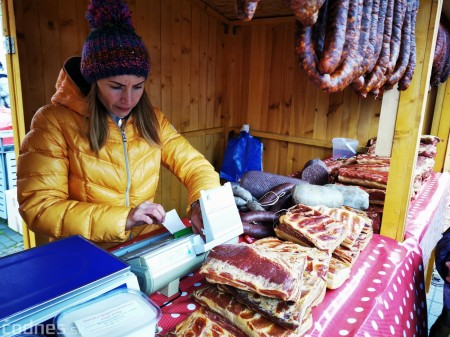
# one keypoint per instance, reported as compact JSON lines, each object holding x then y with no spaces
{"x":120,"y":94}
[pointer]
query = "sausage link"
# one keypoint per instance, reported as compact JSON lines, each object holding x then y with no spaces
{"x":382,"y":12}
{"x":347,"y":71}
{"x":335,"y":36}
{"x":260,"y":217}
{"x":439,"y":59}
{"x":320,"y":28}
{"x":400,"y":11}
{"x":271,"y":197}
{"x":369,"y":52}
{"x":446,"y":68}
{"x":379,"y":72}
{"x":306,"y":11}
{"x":306,"y":55}
{"x":405,"y":81}
{"x":284,"y":203}
{"x":403,"y":59}
{"x":245,"y":9}
{"x":365,"y":49}
{"x":257,"y":231}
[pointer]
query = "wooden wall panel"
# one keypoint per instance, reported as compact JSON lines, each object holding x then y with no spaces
{"x":277,"y":99}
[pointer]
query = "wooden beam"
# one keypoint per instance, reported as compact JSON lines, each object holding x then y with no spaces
{"x":441,"y":125}
{"x":289,"y":139}
{"x":409,"y":122}
{"x":386,"y":127}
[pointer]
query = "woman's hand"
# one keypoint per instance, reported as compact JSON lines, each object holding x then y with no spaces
{"x":195,"y":216}
{"x":145,"y":213}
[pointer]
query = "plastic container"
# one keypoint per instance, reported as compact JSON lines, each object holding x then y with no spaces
{"x":119,"y":313}
{"x":344,"y":147}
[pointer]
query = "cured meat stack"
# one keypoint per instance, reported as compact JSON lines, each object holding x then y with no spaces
{"x":262,"y":287}
{"x":269,"y":287}
{"x":340,"y":232}
{"x":370,"y":173}
{"x":424,"y":164}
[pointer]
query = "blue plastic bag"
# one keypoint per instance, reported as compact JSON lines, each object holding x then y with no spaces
{"x":243,"y":153}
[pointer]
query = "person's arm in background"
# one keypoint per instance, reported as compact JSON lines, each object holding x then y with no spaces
{"x":189,"y":166}
{"x":442,"y":256}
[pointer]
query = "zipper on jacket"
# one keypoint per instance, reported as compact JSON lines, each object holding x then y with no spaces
{"x":125,"y":152}
{"x":121,"y":124}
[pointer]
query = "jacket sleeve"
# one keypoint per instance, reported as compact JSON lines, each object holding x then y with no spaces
{"x":42,"y":188}
{"x":442,"y":254}
{"x":185,"y":162}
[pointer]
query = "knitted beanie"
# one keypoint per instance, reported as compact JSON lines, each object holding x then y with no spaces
{"x":113,"y":47}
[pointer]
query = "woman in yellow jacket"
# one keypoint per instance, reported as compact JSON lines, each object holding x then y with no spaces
{"x":91,"y":161}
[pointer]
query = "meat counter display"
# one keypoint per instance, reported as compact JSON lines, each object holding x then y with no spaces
{"x":385,"y":296}
{"x":385,"y":293}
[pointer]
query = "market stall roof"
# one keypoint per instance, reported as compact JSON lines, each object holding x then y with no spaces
{"x":266,"y":9}
{"x":446,"y":9}
{"x":272,"y":8}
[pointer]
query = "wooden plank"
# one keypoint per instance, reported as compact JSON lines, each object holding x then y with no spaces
{"x":275,"y":80}
{"x":203,"y":74}
{"x":15,"y":92}
{"x":166,"y":87}
{"x":446,"y":167}
{"x":441,"y":125}
{"x":257,"y":58}
{"x":291,"y":139}
{"x":219,"y":82}
{"x":68,"y":29}
{"x":49,"y":45}
{"x":82,"y":24}
{"x":290,"y":68}
{"x":174,"y":187}
{"x":386,"y":127}
{"x":147,"y":19}
{"x":28,"y":43}
{"x":185,"y":59}
{"x":211,"y":75}
{"x":409,"y":123}
{"x":195,"y":68}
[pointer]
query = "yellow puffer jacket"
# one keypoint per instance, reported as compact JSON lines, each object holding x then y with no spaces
{"x":65,"y":189}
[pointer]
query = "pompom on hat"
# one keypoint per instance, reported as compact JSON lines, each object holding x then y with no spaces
{"x":112,"y":48}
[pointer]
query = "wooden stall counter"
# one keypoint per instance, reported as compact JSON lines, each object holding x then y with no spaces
{"x":426,"y":219}
{"x":386,"y":293}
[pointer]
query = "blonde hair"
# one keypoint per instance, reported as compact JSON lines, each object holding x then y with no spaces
{"x":145,"y":121}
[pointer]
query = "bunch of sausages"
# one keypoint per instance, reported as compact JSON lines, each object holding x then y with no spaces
{"x":441,"y":60}
{"x":306,"y":11}
{"x":369,"y":45}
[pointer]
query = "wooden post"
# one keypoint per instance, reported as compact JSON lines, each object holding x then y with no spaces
{"x":409,"y":122}
{"x":15,"y":94}
{"x":441,"y":127}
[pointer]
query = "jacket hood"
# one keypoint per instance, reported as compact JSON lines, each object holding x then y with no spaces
{"x":71,"y":88}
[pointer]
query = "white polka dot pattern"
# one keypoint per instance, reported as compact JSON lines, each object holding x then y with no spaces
{"x":371,"y":303}
{"x":385,"y":295}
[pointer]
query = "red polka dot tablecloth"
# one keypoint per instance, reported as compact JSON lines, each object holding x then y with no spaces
{"x":426,"y":215}
{"x":385,"y":296}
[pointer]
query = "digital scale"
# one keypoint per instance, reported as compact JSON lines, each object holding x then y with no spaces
{"x":39,"y":283}
{"x":161,"y":260}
